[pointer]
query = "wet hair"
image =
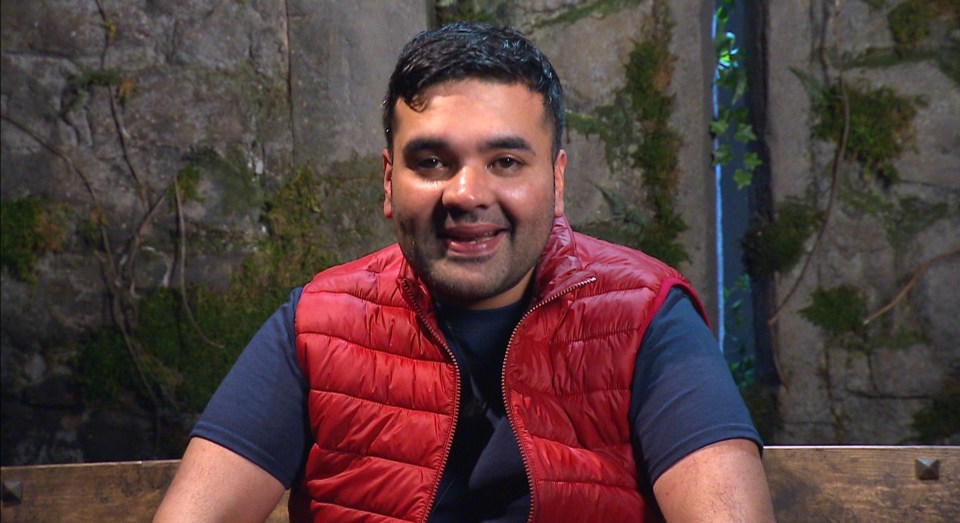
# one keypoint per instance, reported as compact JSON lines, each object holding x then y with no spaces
{"x":470,"y":50}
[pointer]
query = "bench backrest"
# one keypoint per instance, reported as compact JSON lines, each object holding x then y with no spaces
{"x":876,"y":484}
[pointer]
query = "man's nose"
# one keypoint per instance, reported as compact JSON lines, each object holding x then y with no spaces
{"x":469,"y":188}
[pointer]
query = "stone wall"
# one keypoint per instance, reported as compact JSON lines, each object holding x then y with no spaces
{"x":167,"y":164}
{"x":110,"y":111}
{"x":896,"y":378}
{"x":170,"y":169}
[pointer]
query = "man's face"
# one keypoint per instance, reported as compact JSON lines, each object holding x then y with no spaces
{"x":473,"y":189}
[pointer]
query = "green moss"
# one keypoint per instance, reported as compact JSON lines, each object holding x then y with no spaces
{"x":598,"y":8}
{"x":909,"y":217}
{"x":775,"y":246}
{"x":878,"y":58}
{"x":945,"y":53}
{"x":902,"y":219}
{"x":638,"y":138}
{"x":187,"y":179}
{"x":586,"y":124}
{"x":312,"y":221}
{"x":910,"y":22}
{"x":838,"y":311}
{"x":864,"y":200}
{"x":30,"y":227}
{"x":940,"y":419}
{"x":103,"y":368}
{"x":901,"y":338}
{"x":96,"y":77}
{"x":174,"y":355}
{"x":178,"y":358}
{"x":229,"y":173}
{"x":493,"y":12}
{"x":881,"y":125}
{"x":295,"y":234}
{"x":630,"y":227}
{"x":263,"y":98}
{"x":78,"y":86}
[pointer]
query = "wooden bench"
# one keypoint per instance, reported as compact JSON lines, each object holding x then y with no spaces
{"x":875,"y":484}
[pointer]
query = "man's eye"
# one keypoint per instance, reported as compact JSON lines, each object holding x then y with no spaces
{"x":428,"y":163}
{"x":506,"y":163}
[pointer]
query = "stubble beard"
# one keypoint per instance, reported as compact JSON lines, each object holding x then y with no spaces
{"x":455,"y":282}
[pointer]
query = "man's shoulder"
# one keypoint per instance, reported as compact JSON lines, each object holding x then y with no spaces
{"x":384,"y":263}
{"x":604,"y":256}
{"x":618,"y":268}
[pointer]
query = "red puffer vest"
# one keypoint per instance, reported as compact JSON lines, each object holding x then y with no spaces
{"x":383,"y":387}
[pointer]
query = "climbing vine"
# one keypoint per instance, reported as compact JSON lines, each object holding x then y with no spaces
{"x":637,"y":137}
{"x":168,"y":342}
{"x":731,"y":122}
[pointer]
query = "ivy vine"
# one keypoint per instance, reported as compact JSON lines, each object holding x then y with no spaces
{"x":731,"y":123}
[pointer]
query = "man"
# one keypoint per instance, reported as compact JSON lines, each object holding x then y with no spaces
{"x":493,"y":365}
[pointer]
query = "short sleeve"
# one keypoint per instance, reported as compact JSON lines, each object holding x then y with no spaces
{"x":683,"y":396}
{"x":259,"y":410}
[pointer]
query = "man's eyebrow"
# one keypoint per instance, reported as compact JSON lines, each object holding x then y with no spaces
{"x":423,"y":144}
{"x":508,"y":142}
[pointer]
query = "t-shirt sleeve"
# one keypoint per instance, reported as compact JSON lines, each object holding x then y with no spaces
{"x":684,"y":397}
{"x":259,"y":410}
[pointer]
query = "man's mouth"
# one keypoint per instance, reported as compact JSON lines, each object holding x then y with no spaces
{"x":472,"y":241}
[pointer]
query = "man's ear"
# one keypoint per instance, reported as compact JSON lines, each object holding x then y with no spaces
{"x":387,"y":184}
{"x":559,"y":167}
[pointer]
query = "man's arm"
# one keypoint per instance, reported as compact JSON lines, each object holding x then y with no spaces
{"x":722,"y":482}
{"x":214,"y":484}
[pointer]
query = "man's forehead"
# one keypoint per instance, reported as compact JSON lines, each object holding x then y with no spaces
{"x":420,"y":99}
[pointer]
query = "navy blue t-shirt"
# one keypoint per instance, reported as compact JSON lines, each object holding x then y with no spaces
{"x":683,"y":399}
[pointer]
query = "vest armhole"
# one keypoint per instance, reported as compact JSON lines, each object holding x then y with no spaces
{"x":666,"y":286}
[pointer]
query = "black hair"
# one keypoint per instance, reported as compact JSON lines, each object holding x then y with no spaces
{"x":472,"y":50}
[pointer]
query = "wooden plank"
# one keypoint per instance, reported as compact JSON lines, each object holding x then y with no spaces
{"x":849,"y":484}
{"x":81,"y":493}
{"x":869,"y":483}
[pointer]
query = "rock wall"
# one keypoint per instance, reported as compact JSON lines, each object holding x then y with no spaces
{"x":171,"y":169}
{"x":892,"y":230}
{"x":144,"y":145}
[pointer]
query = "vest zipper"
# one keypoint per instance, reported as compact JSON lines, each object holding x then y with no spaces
{"x":503,"y":385}
{"x":456,"y":412}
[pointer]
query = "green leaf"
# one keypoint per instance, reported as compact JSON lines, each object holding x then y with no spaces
{"x":719,"y":126}
{"x":740,"y":85}
{"x":723,"y":15}
{"x":814,"y":87}
{"x":743,"y":178}
{"x":722,"y":155}
{"x":740,"y":114}
{"x":751,"y":161}
{"x":744,"y":133}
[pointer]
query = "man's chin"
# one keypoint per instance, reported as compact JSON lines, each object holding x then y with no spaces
{"x":460,"y":292}
{"x":475,"y":286}
{"x":461,"y":287}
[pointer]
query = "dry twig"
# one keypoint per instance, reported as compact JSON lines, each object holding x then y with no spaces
{"x":840,"y":152}
{"x":182,"y":269}
{"x":913,"y":280}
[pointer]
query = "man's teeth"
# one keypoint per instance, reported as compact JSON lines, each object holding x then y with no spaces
{"x":477,"y":239}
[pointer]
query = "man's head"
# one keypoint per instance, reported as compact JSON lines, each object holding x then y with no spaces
{"x":472,"y":50}
{"x":473,"y":175}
